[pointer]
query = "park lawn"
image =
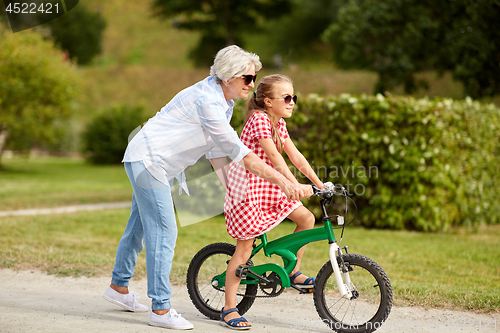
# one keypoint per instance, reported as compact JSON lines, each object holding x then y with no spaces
{"x":51,"y":182}
{"x":459,"y":269}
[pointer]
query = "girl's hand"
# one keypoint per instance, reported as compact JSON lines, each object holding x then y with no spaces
{"x":305,"y":191}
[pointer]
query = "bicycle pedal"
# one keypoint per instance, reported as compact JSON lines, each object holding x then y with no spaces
{"x":303,"y":290}
{"x":242,"y":271}
{"x":308,"y":290}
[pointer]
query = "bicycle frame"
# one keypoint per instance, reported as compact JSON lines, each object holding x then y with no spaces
{"x":287,"y":247}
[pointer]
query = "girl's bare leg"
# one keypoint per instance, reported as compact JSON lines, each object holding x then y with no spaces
{"x":240,"y":256}
{"x":304,"y":220}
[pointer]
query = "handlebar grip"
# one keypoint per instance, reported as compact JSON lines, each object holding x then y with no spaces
{"x":329,"y":189}
{"x":315,"y":189}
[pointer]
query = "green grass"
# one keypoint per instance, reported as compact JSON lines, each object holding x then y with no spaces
{"x":51,"y":182}
{"x":456,"y":269}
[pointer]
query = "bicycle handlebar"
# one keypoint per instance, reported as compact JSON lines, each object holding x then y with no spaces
{"x":327,"y":194}
{"x":329,"y":190}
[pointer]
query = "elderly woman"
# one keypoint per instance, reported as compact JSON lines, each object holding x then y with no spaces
{"x":194,"y":123}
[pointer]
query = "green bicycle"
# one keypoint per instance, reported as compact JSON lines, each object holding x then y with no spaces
{"x":352,"y":293}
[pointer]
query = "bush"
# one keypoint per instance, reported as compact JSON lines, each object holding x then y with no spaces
{"x":409,"y":163}
{"x":105,"y":137}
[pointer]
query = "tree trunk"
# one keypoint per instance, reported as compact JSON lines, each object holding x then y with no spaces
{"x":229,"y":23}
{"x":3,"y":137}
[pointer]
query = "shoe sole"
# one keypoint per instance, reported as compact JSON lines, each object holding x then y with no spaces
{"x":171,"y":327}
{"x":237,"y":328}
{"x":120,"y":304}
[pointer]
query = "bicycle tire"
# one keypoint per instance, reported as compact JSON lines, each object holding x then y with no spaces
{"x":367,"y":310}
{"x":207,"y":263}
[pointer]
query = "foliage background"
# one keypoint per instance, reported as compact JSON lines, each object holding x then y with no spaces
{"x":37,"y":90}
{"x":145,"y":61}
{"x":398,"y":38}
{"x":416,"y":164}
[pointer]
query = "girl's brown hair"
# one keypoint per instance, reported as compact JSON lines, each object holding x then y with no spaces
{"x":265,"y":89}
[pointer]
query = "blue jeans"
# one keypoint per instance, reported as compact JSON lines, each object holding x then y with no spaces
{"x":152,"y":220}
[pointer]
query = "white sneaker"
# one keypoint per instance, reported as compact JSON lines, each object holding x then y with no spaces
{"x":126,"y":301}
{"x":171,"y":319}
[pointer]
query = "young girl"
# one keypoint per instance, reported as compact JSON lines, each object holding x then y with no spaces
{"x":253,"y":206}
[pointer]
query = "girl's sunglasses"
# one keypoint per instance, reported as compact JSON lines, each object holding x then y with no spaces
{"x":288,"y":99}
{"x":249,"y":78}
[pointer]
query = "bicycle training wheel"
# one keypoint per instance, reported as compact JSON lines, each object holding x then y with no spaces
{"x":209,"y":299}
{"x":369,"y":305}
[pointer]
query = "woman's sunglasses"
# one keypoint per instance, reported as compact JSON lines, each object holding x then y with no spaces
{"x":249,"y":78}
{"x":288,"y":99}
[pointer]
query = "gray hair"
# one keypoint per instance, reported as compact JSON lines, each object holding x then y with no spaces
{"x":232,"y":61}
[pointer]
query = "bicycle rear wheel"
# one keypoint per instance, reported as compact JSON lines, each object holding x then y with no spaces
{"x":206,"y":264}
{"x":370,"y":304}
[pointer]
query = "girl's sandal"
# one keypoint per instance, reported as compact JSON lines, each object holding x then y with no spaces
{"x":309,"y":282}
{"x":233,"y":323}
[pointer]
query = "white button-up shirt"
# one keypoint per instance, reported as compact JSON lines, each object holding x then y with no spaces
{"x":194,"y":123}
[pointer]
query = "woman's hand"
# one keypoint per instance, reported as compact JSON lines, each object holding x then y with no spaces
{"x":291,"y":190}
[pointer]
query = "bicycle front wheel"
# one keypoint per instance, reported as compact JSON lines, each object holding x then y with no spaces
{"x":209,"y":262}
{"x":371,"y":299}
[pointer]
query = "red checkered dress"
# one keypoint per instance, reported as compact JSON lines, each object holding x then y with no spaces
{"x":253,"y":206}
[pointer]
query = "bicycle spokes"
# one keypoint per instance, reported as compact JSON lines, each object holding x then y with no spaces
{"x":368,"y":303}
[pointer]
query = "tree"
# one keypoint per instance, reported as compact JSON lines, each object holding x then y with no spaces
{"x":296,"y":34}
{"x":221,"y":22}
{"x":398,"y":38}
{"x":80,"y":33}
{"x":37,"y":88}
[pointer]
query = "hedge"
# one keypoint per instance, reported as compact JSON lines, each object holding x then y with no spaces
{"x":417,"y":164}
{"x":107,"y":134}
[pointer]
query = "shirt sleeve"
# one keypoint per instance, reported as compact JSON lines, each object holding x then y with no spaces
{"x":213,"y":119}
{"x":283,"y":130}
{"x":260,"y":126}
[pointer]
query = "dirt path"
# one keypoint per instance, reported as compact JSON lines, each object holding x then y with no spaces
{"x":64,"y":209}
{"x":31,"y":301}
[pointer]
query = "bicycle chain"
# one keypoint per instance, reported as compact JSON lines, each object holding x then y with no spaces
{"x":273,"y":294}
{"x":252,"y":296}
{"x":263,"y":296}
{"x":274,"y":284}
{"x":258,"y":296}
{"x":274,"y":278}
